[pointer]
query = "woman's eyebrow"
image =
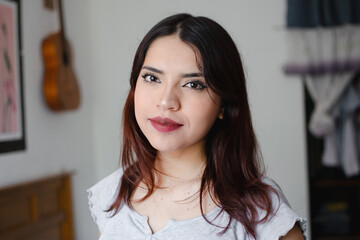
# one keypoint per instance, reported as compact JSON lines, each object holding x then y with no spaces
{"x":185,"y":75}
{"x":153,"y":69}
{"x":189,"y":75}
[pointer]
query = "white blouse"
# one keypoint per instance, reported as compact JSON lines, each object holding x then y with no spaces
{"x":128,"y":224}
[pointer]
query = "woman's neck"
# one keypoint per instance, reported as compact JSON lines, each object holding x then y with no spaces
{"x":181,"y":166}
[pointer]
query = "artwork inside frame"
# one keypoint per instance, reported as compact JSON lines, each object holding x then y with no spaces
{"x":12,"y":126}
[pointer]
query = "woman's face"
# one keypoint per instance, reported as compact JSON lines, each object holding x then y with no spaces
{"x":174,"y":108}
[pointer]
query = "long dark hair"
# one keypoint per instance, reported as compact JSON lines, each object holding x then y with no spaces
{"x":234,"y":164}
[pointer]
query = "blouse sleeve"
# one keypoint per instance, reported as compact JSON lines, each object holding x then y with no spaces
{"x":101,"y":196}
{"x":283,"y":220}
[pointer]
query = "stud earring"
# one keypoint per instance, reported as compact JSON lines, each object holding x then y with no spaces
{"x":221,"y":114}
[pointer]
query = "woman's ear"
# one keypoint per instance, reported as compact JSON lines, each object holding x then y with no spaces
{"x":221,"y":113}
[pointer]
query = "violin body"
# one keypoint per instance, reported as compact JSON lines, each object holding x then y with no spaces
{"x":60,"y":88}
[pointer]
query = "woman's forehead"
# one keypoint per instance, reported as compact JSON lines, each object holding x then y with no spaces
{"x":170,"y":52}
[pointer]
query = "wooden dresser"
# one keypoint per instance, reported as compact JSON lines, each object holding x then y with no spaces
{"x":38,"y":210}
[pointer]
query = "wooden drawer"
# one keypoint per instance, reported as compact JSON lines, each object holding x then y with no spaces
{"x":37,"y":210}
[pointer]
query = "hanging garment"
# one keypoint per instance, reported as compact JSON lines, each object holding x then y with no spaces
{"x":341,"y":144}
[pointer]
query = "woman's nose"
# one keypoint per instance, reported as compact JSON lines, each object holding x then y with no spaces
{"x":169,"y":99}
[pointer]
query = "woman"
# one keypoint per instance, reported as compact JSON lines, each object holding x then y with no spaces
{"x":190,"y":162}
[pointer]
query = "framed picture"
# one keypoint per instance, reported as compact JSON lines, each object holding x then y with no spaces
{"x":12,"y":127}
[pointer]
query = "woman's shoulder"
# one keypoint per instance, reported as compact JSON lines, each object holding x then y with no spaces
{"x":110,"y":181}
{"x":278,"y":194}
{"x":281,"y":220}
{"x":107,"y":187}
{"x":102,"y":195}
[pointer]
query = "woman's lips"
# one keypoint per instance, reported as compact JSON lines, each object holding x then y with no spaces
{"x":164,"y":124}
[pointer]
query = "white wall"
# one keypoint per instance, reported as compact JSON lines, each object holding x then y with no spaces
{"x":104,"y":36}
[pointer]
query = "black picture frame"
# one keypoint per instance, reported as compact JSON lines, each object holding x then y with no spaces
{"x":12,"y":118}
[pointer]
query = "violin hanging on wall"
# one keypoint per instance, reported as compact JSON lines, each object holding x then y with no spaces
{"x":60,"y":87}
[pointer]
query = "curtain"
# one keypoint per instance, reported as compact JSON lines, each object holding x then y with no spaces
{"x":323,"y":41}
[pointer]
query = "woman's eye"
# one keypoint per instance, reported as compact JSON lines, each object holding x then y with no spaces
{"x":150,"y":78}
{"x":197,"y":85}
